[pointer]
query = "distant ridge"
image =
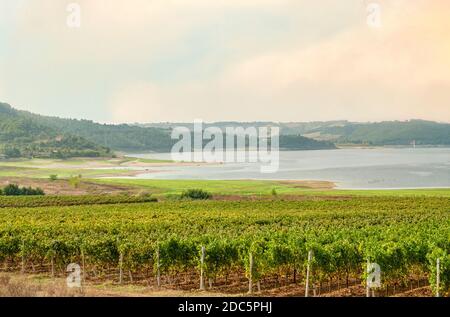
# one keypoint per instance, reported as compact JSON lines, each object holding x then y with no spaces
{"x":24,"y":134}
{"x":383,"y":133}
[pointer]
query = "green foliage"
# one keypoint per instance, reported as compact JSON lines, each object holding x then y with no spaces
{"x":392,"y":133}
{"x":11,"y":152}
{"x":15,"y":190}
{"x":75,"y":181}
{"x":23,"y":134}
{"x":53,"y":177}
{"x":298,"y":142}
{"x":444,"y":276}
{"x":42,"y":201}
{"x":403,"y":235}
{"x":30,"y":135}
{"x":196,"y":194}
{"x":26,"y":135}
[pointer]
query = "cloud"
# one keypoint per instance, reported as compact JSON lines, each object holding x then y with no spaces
{"x":399,"y":71}
{"x":411,"y":50}
{"x":161,"y":60}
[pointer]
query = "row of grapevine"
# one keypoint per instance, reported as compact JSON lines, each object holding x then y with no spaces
{"x":167,"y":238}
{"x":45,"y":201}
{"x":286,"y":254}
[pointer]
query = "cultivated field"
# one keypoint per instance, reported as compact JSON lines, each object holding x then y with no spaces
{"x":264,"y":243}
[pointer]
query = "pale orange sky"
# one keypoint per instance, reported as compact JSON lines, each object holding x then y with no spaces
{"x":150,"y":61}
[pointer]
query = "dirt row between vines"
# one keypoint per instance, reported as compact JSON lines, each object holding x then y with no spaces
{"x":39,"y":285}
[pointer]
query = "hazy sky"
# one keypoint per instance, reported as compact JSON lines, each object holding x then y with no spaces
{"x":247,"y":60}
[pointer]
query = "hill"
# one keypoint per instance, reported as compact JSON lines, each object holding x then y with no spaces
{"x":22,"y":136}
{"x":122,"y":137}
{"x":25,"y":134}
{"x":134,"y":138}
{"x":378,"y":133}
{"x":388,"y":133}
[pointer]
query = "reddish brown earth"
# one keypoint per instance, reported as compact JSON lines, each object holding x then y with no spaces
{"x":63,"y":187}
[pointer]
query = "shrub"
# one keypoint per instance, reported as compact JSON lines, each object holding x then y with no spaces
{"x":12,"y":190}
{"x":198,"y":194}
{"x":75,"y":181}
{"x":53,"y":177}
{"x":274,"y":192}
{"x":15,"y":190}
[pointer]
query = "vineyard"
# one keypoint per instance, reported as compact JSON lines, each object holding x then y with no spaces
{"x":233,"y":244}
{"x":46,"y":201}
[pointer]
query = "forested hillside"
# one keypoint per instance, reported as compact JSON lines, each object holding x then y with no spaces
{"x":121,"y":137}
{"x":377,"y":133}
{"x":392,"y":133}
{"x":124,"y":137}
{"x":22,"y":136}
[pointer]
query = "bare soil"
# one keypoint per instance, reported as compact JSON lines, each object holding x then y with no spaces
{"x":63,"y":187}
{"x":309,"y":184}
{"x":42,"y":285}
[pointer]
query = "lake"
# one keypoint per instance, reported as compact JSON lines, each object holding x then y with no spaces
{"x":377,"y":168}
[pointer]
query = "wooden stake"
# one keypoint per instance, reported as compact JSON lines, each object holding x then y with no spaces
{"x":158,"y":273}
{"x":83,"y":264}
{"x":250,"y":280}
{"x":53,"y":266}
{"x":308,"y":267}
{"x":367,"y":280}
{"x":438,"y":276}
{"x":120,"y":268}
{"x":23,"y":257}
{"x":130,"y":275}
{"x":202,"y":261}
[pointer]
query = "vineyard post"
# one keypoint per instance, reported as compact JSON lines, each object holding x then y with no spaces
{"x":23,"y":257}
{"x":83,"y":266}
{"x":158,"y":272}
{"x":250,"y":280}
{"x":308,"y":267}
{"x":367,"y":279}
{"x":438,"y":276}
{"x":120,"y":268}
{"x":202,"y":261}
{"x":52,"y":263}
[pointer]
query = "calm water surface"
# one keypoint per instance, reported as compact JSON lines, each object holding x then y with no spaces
{"x":348,"y":168}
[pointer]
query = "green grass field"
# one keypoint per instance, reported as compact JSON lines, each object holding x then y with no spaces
{"x":93,"y":167}
{"x":255,"y":187}
{"x":95,"y":170}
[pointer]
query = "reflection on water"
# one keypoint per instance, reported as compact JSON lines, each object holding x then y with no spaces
{"x":348,"y":168}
